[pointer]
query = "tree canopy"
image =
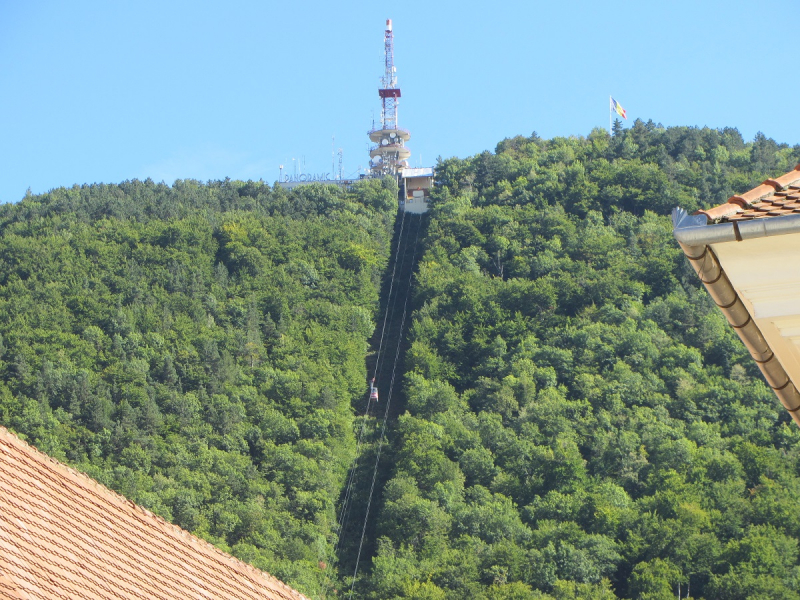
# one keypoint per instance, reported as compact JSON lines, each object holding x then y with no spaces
{"x":581,"y":421}
{"x":197,"y":348}
{"x":577,"y":420}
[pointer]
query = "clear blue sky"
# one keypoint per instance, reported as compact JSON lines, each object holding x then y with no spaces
{"x":98,"y":91}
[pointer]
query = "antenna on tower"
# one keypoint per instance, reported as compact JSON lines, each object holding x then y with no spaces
{"x":389,"y":154}
{"x":390,"y":92}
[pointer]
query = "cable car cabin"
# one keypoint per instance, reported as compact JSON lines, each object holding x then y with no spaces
{"x":373,"y":392}
{"x":415,"y":189}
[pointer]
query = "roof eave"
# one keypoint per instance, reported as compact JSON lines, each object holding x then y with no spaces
{"x":696,"y":239}
{"x":693,"y":230}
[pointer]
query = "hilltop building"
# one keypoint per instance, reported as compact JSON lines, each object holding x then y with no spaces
{"x":744,"y":251}
{"x":388,"y":152}
{"x":389,"y":155}
{"x":415,"y":189}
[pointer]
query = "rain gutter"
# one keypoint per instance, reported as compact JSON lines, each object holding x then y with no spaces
{"x":693,"y":230}
{"x":695,"y":238}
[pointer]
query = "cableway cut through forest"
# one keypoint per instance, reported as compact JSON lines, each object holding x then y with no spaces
{"x":360,"y":500}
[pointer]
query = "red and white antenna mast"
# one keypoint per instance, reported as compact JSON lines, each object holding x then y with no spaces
{"x":389,"y":93}
{"x":389,"y":154}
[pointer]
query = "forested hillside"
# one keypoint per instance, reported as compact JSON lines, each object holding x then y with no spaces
{"x":577,"y":419}
{"x":582,"y":422}
{"x":197,"y":348}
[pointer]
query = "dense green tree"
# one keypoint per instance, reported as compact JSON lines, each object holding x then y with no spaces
{"x":198,"y":348}
{"x":576,"y":419}
{"x":600,"y":428}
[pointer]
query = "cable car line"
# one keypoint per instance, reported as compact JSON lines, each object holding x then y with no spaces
{"x":344,"y":514}
{"x":386,"y":410}
{"x":388,"y":315}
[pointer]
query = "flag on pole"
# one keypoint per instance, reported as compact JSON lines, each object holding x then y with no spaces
{"x":617,"y":107}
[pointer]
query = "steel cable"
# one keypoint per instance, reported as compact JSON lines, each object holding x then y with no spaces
{"x":386,"y":410}
{"x":344,"y":513}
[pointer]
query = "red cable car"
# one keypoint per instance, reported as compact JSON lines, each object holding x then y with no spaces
{"x":373,"y":391}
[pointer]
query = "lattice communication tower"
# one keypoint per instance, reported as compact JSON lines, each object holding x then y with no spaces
{"x":389,"y":154}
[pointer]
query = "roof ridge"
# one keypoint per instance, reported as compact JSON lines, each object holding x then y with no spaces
{"x":116,"y":502}
{"x":144,"y":517}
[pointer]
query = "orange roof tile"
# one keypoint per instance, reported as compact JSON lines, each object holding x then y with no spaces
{"x":773,"y":198}
{"x":63,"y":535}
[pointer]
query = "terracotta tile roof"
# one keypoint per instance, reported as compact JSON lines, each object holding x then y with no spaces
{"x":773,"y":198}
{"x":63,"y":535}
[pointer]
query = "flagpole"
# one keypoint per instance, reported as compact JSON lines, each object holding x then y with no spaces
{"x":609,"y":114}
